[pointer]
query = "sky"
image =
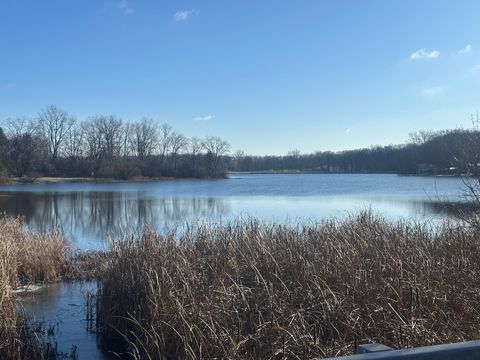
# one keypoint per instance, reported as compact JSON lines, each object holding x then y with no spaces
{"x":268,"y":76}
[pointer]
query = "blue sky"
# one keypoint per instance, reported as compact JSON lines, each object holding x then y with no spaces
{"x":268,"y":76}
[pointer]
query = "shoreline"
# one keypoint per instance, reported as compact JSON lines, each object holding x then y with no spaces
{"x":300,"y":172}
{"x":79,"y":180}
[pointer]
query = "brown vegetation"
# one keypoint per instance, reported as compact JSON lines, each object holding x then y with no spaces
{"x":25,"y":258}
{"x":251,"y":290}
{"x":255,"y":290}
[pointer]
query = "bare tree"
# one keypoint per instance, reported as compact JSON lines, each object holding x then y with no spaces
{"x":93,"y":138}
{"x":237,"y":158}
{"x":164,"y":140}
{"x":422,"y":136}
{"x":110,"y":128}
{"x":28,"y":153}
{"x":127,"y":139}
{"x":74,"y":142}
{"x":145,"y":137}
{"x":178,"y":142}
{"x":54,"y":123}
{"x":19,"y":126}
{"x":104,"y":142}
{"x":195,"y":147}
{"x":215,"y":148}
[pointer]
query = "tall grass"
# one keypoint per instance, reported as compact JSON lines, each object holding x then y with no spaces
{"x":252,"y":290}
{"x":25,"y":258}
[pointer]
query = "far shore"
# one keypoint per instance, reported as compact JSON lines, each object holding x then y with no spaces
{"x":62,"y":180}
{"x":291,"y":172}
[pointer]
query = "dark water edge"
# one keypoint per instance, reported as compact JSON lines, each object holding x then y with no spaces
{"x":63,"y":317}
{"x":453,"y":209}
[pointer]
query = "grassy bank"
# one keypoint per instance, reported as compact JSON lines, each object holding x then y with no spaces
{"x":251,"y":290}
{"x":25,"y":258}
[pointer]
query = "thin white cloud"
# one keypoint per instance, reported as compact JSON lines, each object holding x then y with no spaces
{"x":348,"y":131}
{"x":124,"y":6}
{"x":183,"y":15}
{"x":433,"y":91}
{"x":466,"y":50}
{"x":424,"y":54}
{"x":204,"y":118}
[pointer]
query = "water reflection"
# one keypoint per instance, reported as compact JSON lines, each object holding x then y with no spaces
{"x":447,"y":209}
{"x":88,"y":219}
{"x":90,"y":213}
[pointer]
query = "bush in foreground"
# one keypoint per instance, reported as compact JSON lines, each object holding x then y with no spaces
{"x":252,"y":290}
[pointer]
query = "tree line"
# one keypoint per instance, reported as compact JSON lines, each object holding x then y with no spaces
{"x":56,"y":144}
{"x":426,"y":152}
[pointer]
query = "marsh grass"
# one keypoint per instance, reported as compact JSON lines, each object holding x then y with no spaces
{"x":253,"y":290}
{"x":25,"y":258}
{"x":249,"y":290}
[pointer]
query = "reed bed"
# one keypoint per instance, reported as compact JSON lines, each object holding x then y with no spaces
{"x":25,"y":258}
{"x":250,"y":290}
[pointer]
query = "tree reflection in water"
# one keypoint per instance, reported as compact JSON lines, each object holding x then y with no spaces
{"x":89,"y":219}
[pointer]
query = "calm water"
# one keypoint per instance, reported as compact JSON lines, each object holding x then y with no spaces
{"x":62,"y":307}
{"x":89,"y":214}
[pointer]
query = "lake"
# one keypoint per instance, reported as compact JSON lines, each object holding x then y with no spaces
{"x":90,"y":213}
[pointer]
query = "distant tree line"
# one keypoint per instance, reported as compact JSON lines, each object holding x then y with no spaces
{"x":56,"y":144}
{"x":426,"y":152}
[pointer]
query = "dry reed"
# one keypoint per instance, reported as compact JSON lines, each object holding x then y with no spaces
{"x":252,"y":290}
{"x":25,"y":258}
